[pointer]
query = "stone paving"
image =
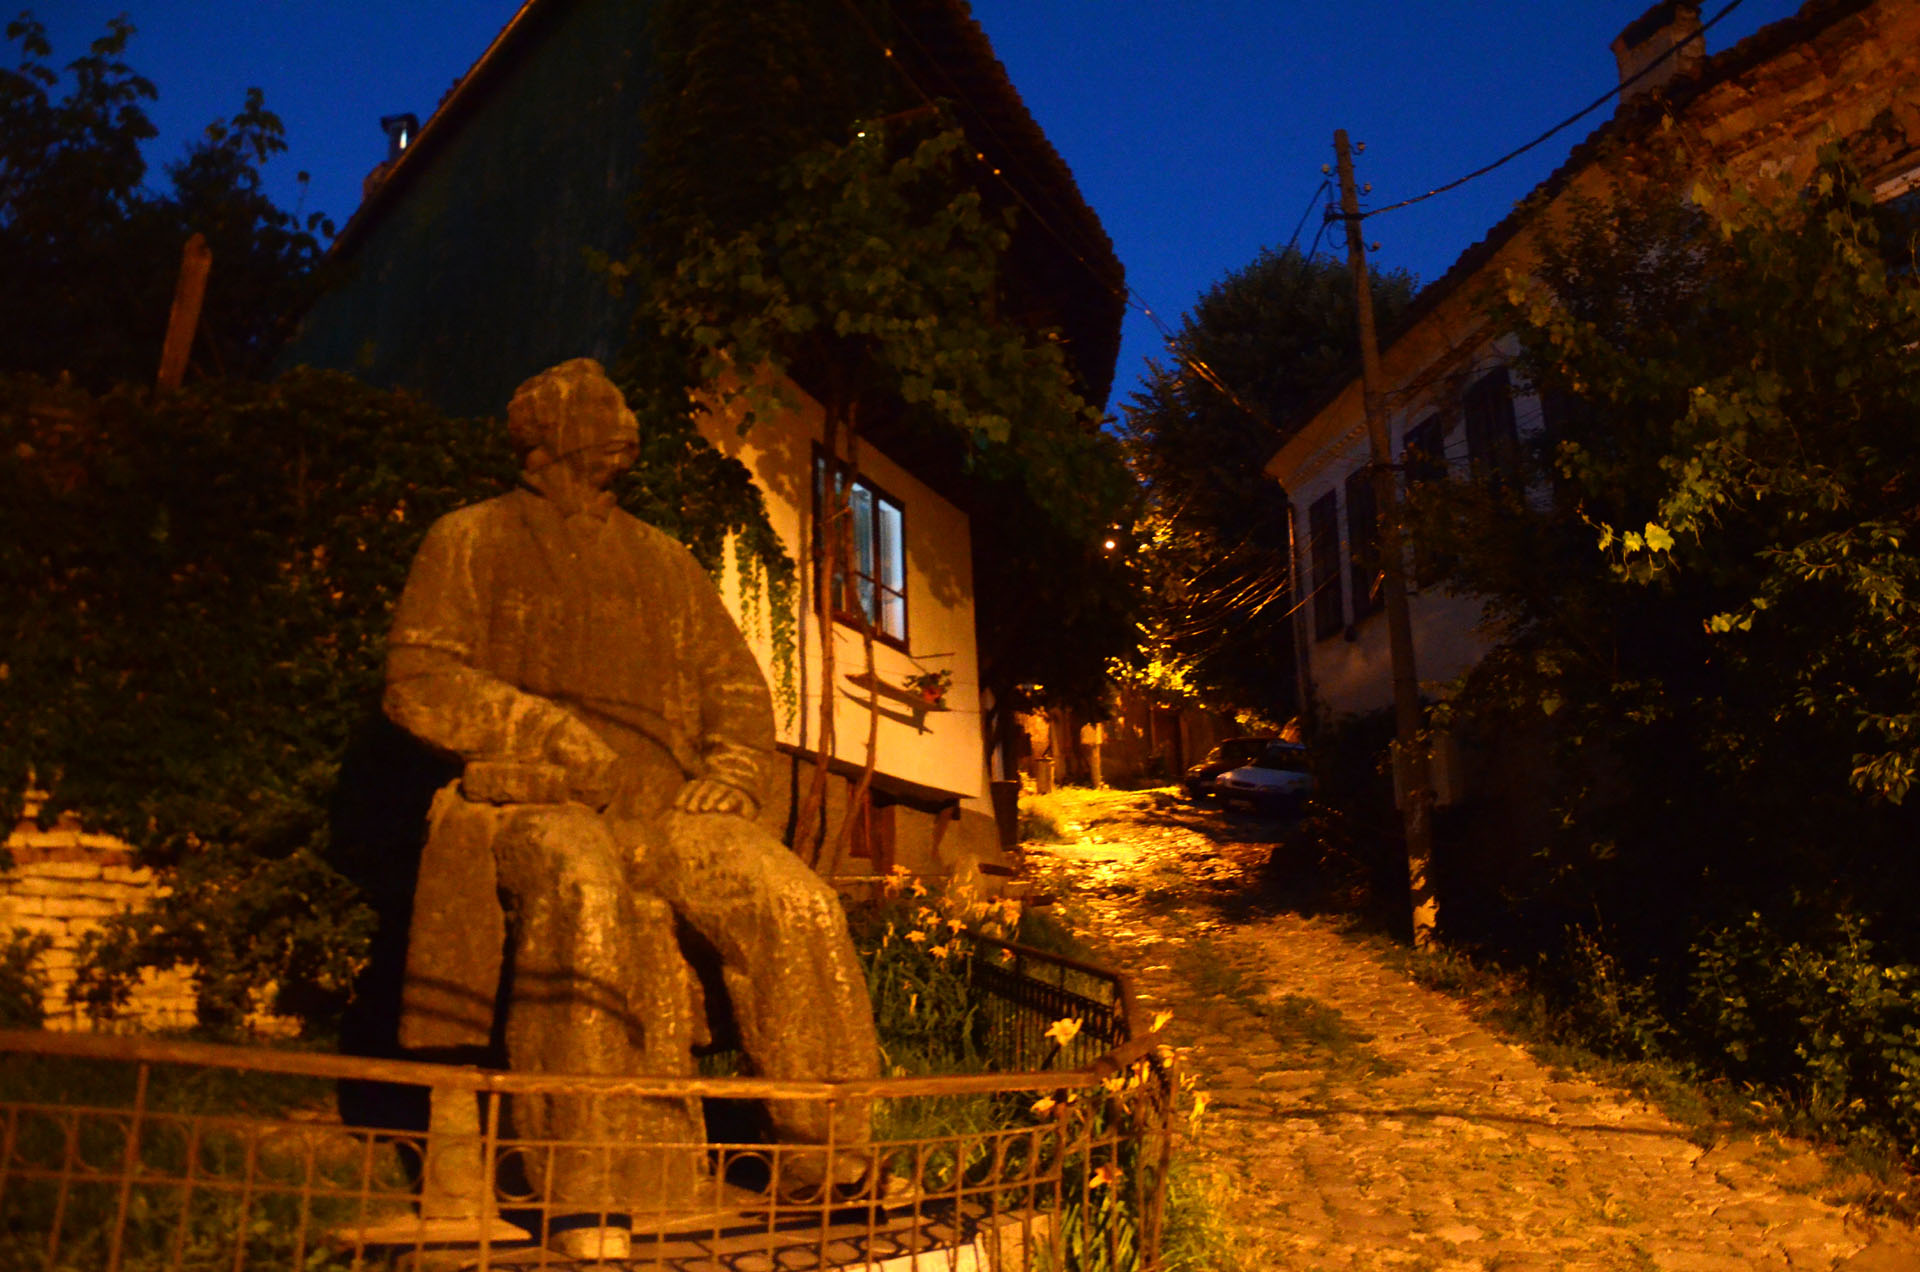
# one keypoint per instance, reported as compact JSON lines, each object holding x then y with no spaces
{"x":1359,"y":1120}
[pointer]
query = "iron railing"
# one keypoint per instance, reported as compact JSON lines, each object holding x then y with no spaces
{"x":129,"y":1153}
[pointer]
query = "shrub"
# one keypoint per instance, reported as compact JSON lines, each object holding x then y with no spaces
{"x":1607,"y":1008}
{"x":23,"y":982}
{"x":1823,"y":1019}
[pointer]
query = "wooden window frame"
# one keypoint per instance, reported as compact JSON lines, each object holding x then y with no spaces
{"x":856,"y":618}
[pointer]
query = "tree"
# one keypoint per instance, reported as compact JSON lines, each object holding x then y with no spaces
{"x":90,"y":253}
{"x":198,"y":587}
{"x":1257,"y":349}
{"x":1711,"y":621}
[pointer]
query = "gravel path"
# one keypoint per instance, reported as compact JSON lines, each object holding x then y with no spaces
{"x":1359,"y":1120}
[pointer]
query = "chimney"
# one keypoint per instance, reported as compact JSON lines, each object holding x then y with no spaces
{"x":401,"y":128}
{"x":1667,"y":34}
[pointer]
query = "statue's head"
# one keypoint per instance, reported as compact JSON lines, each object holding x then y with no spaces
{"x":573,"y":414}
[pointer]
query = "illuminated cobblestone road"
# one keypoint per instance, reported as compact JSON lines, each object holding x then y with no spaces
{"x":1362,"y":1121}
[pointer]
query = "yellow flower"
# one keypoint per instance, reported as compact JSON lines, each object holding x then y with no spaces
{"x":919,"y":888}
{"x":1160,"y":1019}
{"x":917,"y":937}
{"x":1064,"y":1030}
{"x":1043,"y":1106}
{"x":940,"y":951}
{"x":1106,"y":1176}
{"x":913,"y":1003}
{"x":1199,"y":1108}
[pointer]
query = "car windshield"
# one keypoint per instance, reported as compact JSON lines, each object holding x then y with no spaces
{"x":1284,"y":756}
{"x":1237,"y":751}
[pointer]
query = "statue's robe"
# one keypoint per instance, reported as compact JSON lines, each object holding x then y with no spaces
{"x":533,"y":640}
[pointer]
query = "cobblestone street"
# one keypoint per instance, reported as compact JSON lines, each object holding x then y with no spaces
{"x":1359,"y":1120}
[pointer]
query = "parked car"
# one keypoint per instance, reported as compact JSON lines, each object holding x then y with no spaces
{"x":1230,"y":754}
{"x":1278,"y":781}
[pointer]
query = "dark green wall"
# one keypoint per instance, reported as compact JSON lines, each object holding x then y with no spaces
{"x":475,"y":277}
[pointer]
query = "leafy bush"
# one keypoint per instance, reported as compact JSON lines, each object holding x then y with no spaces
{"x":1825,"y":1020}
{"x":1609,"y":1009}
{"x":23,"y":982}
{"x":198,"y":590}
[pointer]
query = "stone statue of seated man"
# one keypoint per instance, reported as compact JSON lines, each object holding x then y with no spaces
{"x":616,"y":733}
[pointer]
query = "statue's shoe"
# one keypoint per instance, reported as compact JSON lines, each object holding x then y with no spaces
{"x":810,"y":1177}
{"x":593,"y":1245}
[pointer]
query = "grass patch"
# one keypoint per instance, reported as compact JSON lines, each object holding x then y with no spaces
{"x":1712,"y":1110}
{"x":1044,"y":820}
{"x":1196,"y":1236}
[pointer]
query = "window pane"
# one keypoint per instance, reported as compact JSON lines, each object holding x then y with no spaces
{"x":893,"y":614}
{"x":893,"y":552}
{"x":862,"y":530}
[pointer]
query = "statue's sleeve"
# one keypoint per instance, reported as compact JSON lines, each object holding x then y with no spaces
{"x":437,"y":689}
{"x":736,"y":709}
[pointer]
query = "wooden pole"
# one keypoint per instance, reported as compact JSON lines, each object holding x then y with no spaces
{"x":195,"y":260}
{"x":1410,"y":747}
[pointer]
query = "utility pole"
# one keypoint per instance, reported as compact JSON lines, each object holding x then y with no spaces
{"x":188,"y":292}
{"x":1410,"y":748}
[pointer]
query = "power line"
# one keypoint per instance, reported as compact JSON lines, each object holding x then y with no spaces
{"x":1304,"y":214}
{"x":1569,"y":121}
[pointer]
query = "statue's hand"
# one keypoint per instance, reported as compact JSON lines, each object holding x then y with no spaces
{"x":592,"y":785}
{"x":703,"y":795}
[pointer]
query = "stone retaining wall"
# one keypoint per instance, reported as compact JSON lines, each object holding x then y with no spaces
{"x":64,"y":884}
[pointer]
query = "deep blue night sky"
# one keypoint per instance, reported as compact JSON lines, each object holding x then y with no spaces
{"x":1196,"y":129}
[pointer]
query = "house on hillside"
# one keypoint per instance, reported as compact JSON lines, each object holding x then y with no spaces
{"x":1837,"y":69}
{"x":466,"y":270}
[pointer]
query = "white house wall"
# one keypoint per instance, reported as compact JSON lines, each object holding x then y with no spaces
{"x":1351,"y":670}
{"x":939,"y":749}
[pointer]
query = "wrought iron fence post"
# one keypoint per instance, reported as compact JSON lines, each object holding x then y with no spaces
{"x":129,"y":1162}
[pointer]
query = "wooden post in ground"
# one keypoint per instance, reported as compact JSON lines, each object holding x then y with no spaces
{"x":1410,"y":747}
{"x":195,"y":260}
